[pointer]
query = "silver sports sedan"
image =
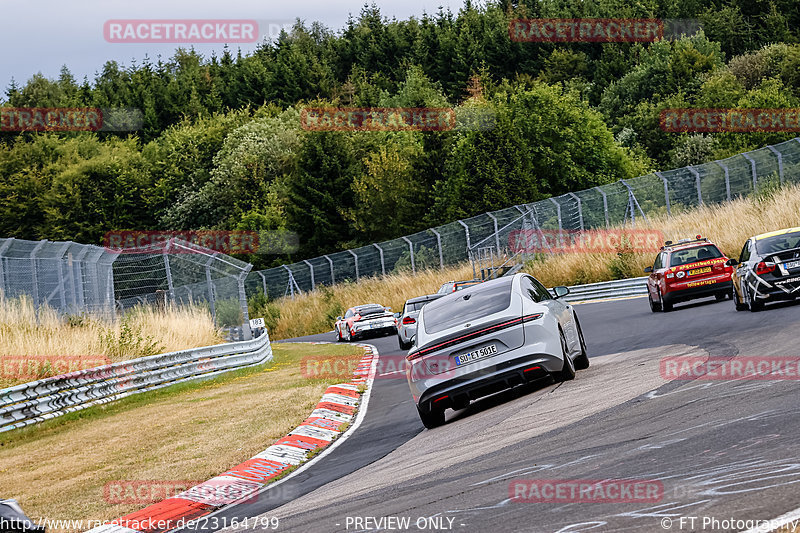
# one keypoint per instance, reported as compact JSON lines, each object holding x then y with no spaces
{"x":488,"y":338}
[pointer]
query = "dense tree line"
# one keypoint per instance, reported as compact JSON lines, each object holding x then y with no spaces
{"x":221,"y":146}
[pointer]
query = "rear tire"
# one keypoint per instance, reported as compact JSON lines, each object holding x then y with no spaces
{"x":654,"y":306}
{"x":432,"y":419}
{"x":403,"y":345}
{"x":568,"y":371}
{"x":582,"y":361}
{"x":739,"y":306}
{"x":752,"y":304}
{"x":666,"y":305}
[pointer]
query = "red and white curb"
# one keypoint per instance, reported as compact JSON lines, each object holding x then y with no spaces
{"x":341,"y":404}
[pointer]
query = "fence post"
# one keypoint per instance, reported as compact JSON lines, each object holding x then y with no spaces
{"x":3,"y":249}
{"x":411,"y":249}
{"x":439,"y":243}
{"x":727,"y":179}
{"x":71,"y":278}
{"x":311,"y":270}
{"x":165,"y":254}
{"x":333,"y":279}
{"x":209,"y":282}
{"x":558,"y":211}
{"x":248,"y":333}
{"x":383,"y":265}
{"x":666,"y":192}
{"x":292,"y":282}
{"x":35,"y":277}
{"x":633,"y":203}
{"x":356,"y":258}
{"x":753,"y":169}
{"x":62,"y":296}
{"x":780,"y":161}
{"x":697,"y":182}
{"x":466,"y":231}
{"x":78,"y":261}
{"x":263,"y":282}
{"x":110,"y":294}
{"x":496,"y":232}
{"x":580,"y":209}
{"x":605,"y":205}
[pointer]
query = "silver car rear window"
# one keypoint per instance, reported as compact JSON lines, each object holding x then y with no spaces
{"x":416,"y":306}
{"x":483,"y":300}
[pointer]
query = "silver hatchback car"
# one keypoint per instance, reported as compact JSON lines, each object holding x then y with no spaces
{"x":491,"y":337}
{"x":407,"y":320}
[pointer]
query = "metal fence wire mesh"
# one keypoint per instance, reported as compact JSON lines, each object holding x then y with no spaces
{"x":620,"y":203}
{"x":66,"y":276}
{"x":75,"y":278}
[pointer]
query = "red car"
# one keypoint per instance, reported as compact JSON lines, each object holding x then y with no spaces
{"x":685,"y":270}
{"x":363,"y":320}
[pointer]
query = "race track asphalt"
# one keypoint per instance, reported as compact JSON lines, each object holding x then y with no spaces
{"x":720,"y":449}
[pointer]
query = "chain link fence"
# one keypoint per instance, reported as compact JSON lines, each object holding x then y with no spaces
{"x":76,"y":278}
{"x":616,"y":204}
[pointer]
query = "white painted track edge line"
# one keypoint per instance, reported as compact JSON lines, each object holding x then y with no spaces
{"x":611,"y":299}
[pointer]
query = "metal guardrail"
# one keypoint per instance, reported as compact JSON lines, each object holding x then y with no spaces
{"x":33,"y":402}
{"x":620,"y":288}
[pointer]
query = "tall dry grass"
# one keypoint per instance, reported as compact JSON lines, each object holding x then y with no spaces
{"x":84,"y":340}
{"x":729,"y":225}
{"x":315,"y":312}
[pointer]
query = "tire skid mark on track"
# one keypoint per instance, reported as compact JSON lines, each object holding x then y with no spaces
{"x":507,"y":423}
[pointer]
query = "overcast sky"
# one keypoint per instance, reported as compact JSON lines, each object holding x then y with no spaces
{"x":42,"y":35}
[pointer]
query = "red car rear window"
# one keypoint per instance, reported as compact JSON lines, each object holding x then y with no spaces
{"x":693,"y":255}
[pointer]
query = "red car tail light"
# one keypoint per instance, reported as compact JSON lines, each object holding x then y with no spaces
{"x":764,"y":268}
{"x":470,"y":336}
{"x":409,"y":320}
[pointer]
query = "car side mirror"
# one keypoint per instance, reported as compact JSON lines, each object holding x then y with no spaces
{"x":413,"y":340}
{"x":648,"y":269}
{"x":731,"y":262}
{"x":338,"y":318}
{"x":560,"y":292}
{"x":397,"y":315}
